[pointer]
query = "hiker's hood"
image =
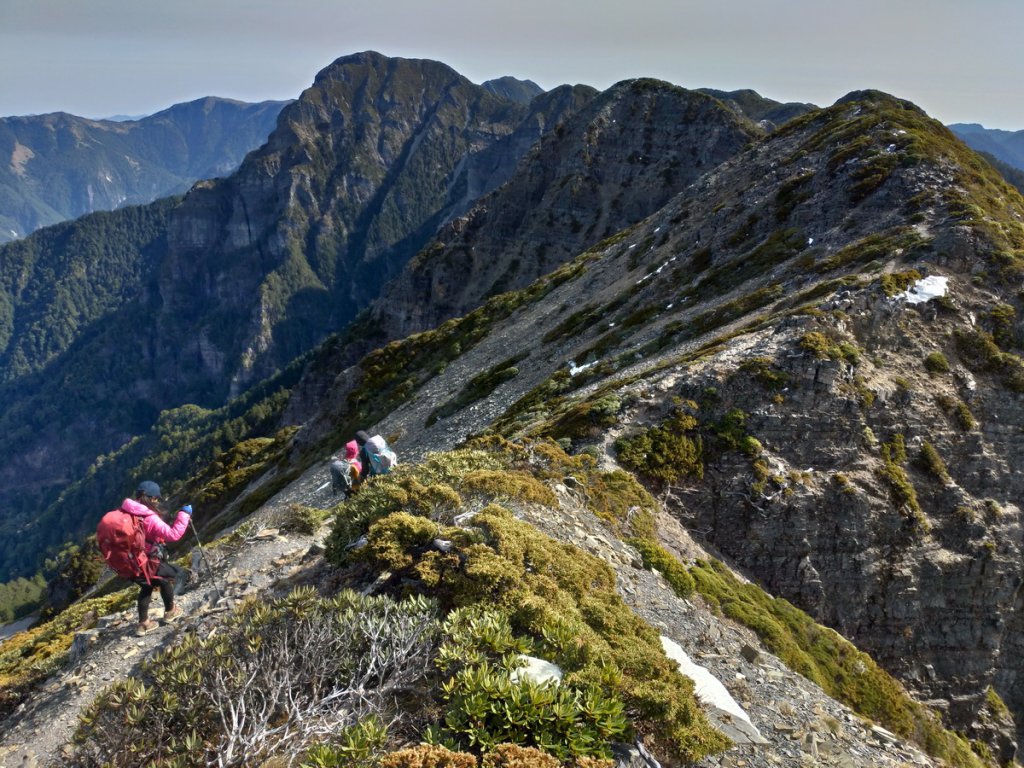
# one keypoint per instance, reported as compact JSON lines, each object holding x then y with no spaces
{"x":351,"y":449}
{"x":137,"y":508}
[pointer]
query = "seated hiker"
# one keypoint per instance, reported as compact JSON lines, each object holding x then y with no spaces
{"x":346,"y":472}
{"x":131,"y":539}
{"x":376,"y":455}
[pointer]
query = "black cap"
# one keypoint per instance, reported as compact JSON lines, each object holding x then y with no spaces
{"x":149,"y":488}
{"x":362,"y":438}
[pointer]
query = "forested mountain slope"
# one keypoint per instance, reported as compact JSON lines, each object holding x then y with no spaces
{"x":112,"y":319}
{"x":60,"y":166}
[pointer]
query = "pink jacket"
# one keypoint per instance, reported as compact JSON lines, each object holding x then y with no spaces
{"x":157,"y":531}
{"x":351,"y":452}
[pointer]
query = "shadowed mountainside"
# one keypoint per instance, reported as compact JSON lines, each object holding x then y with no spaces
{"x":60,"y":166}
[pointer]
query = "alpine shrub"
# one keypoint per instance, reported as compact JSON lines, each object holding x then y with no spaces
{"x":279,"y":676}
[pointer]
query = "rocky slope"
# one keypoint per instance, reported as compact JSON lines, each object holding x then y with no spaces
{"x":758,"y":312}
{"x":609,"y":165}
{"x":60,"y":166}
{"x":769,"y":113}
{"x":765,"y":353}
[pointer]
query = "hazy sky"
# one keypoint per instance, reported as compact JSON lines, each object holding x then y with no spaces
{"x":960,"y":60}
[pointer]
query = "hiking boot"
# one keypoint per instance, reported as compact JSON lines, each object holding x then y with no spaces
{"x":144,"y":627}
{"x":171,"y":616}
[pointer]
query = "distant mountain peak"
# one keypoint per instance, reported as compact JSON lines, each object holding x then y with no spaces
{"x":508,"y":87}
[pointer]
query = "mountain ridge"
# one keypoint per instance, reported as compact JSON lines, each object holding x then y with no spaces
{"x":62,"y":166}
{"x":750,"y":352}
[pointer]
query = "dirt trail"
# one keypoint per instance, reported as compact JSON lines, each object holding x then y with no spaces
{"x":37,"y":733}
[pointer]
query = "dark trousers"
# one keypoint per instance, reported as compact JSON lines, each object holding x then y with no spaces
{"x":166,"y":575}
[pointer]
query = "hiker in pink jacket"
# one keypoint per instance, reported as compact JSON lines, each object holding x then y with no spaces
{"x":161,"y":575}
{"x":346,"y":472}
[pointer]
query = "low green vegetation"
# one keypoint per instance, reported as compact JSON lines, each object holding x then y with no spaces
{"x":825,"y":346}
{"x":731,"y":431}
{"x":657,"y":558}
{"x":1003,"y":319}
{"x":19,"y":597}
{"x":959,"y":410}
{"x":29,"y":657}
{"x":894,"y":283}
{"x":980,"y":353}
{"x":894,"y":457}
{"x":880,"y":246}
{"x":559,"y":600}
{"x":669,"y":452}
{"x":302,"y":662}
{"x":933,"y":463}
{"x":765,"y":372}
{"x":936,"y":362}
{"x":830,"y":661}
{"x":586,"y":419}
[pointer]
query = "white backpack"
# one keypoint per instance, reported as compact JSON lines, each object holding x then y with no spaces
{"x":382,"y":457}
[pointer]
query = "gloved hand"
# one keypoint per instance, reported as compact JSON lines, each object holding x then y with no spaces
{"x":187,"y":509}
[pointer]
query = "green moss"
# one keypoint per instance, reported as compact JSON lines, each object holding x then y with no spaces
{"x":763,"y":370}
{"x":791,"y":193}
{"x":958,"y":408}
{"x":655,"y":557}
{"x":894,"y":456}
{"x":1003,"y":318}
{"x":898,"y":241}
{"x":980,"y":352}
{"x":573,"y":325}
{"x":731,"y":430}
{"x":587,"y":419}
{"x":824,"y":657}
{"x":560,"y":599}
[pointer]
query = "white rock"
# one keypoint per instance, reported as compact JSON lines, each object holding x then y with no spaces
{"x":536,"y":670}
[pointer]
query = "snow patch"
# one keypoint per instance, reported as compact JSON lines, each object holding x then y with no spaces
{"x":536,"y":671}
{"x":709,"y":689}
{"x":926,"y":289}
{"x":574,"y":369}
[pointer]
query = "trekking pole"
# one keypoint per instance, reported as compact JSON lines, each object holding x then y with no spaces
{"x":202,"y":554}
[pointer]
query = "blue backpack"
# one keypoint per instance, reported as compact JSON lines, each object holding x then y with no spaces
{"x":382,"y":457}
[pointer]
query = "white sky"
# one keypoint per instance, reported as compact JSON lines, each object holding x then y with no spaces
{"x":960,"y":60}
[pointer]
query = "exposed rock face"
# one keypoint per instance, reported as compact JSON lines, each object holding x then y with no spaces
{"x":60,"y":166}
{"x":763,"y":301}
{"x":613,"y":163}
{"x":513,"y":89}
{"x":361,"y":171}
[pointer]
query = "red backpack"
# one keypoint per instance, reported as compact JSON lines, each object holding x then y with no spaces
{"x":122,"y":542}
